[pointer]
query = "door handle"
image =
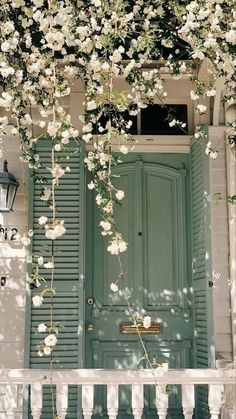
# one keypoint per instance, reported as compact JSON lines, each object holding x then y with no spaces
{"x":89,"y":327}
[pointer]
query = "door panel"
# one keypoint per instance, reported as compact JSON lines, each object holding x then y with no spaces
{"x":153,"y":220}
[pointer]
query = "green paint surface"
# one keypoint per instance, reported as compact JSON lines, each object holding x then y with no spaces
{"x":154,"y":220}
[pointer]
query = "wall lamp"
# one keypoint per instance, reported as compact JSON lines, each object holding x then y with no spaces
{"x":8,"y":188}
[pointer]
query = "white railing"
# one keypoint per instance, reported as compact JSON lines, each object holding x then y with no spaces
{"x":12,"y":382}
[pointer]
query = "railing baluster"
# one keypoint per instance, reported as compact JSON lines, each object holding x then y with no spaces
{"x":137,"y":400}
{"x":62,"y":400}
{"x":161,"y":402}
{"x":215,"y":399}
{"x":9,"y":400}
{"x":188,"y":400}
{"x":36,"y":400}
{"x":87,"y":400}
{"x":112,"y":400}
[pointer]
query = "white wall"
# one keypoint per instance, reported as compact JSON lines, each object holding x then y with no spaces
{"x":220,"y":247}
{"x":12,"y":266}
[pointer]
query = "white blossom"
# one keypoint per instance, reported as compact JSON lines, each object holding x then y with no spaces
{"x":201,"y":108}
{"x":40,"y":261}
{"x":54,"y":233}
{"x":37,"y":300}
{"x":25,"y":241}
{"x":46,"y":194}
{"x":147,"y":320}
{"x":42,"y":328}
{"x":91,"y":105}
{"x":50,"y":340}
{"x":120,"y":195}
{"x":114,"y":287}
{"x":124,"y":149}
{"x":57,"y":172}
{"x":91,"y":185}
{"x":106,"y":225}
{"x":230,"y":36}
{"x":47,"y":350}
{"x":42,"y":220}
{"x":193,"y":95}
{"x":48,"y":265}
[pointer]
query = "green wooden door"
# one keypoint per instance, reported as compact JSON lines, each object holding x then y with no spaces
{"x":154,"y":220}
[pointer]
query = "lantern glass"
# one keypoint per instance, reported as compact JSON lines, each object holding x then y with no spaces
{"x":3,"y":196}
{"x":8,"y":188}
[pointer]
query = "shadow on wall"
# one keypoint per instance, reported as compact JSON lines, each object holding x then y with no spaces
{"x":12,"y":304}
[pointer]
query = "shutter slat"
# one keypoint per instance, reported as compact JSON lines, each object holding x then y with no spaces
{"x":67,"y":273}
{"x":200,"y":248}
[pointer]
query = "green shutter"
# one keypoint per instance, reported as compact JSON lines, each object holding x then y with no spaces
{"x":201,"y":266}
{"x":68,"y":272}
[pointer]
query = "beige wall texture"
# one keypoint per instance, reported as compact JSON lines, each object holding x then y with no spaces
{"x":12,"y":265}
{"x":220,"y":246}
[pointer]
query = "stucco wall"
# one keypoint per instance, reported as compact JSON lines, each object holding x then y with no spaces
{"x":12,"y":266}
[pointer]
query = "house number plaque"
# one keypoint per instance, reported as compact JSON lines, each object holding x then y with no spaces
{"x":8,"y":233}
{"x":131,"y":329}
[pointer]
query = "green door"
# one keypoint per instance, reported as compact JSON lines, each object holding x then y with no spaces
{"x":154,"y":220}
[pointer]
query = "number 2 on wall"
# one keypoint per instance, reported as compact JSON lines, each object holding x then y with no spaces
{"x":8,"y":235}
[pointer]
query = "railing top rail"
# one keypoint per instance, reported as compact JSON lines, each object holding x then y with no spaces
{"x":106,"y":376}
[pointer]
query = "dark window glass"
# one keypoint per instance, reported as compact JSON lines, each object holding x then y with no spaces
{"x":155,"y":119}
{"x":115,"y":117}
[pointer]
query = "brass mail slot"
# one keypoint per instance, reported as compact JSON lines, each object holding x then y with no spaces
{"x":131,"y":329}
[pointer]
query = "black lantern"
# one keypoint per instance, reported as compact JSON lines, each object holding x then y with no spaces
{"x":8,"y":188}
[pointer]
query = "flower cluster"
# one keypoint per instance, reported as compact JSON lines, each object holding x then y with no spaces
{"x":210,"y":28}
{"x":210,"y":152}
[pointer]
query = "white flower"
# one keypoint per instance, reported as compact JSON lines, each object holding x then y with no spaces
{"x":172,"y":123}
{"x":37,"y":300}
{"x":54,"y":233}
{"x":113,"y":248}
{"x":53,"y":128}
{"x":46,"y":194}
{"x":42,"y":328}
{"x":213,"y":154}
{"x":99,"y":199}
{"x":105,"y":225}
{"x":194,"y":95}
{"x":40,"y":261}
{"x":42,"y":220}
{"x":122,"y":246}
{"x":124,"y":149}
{"x":48,"y":265}
{"x":91,"y":185}
{"x":120,"y":195}
{"x":25,"y":241}
{"x":91,"y":105}
{"x":114,"y":287}
{"x":50,"y":340}
{"x":40,"y":353}
{"x":57,"y":147}
{"x":211,"y":92}
{"x":57,"y":172}
{"x":147,"y":320}
{"x":231,"y":36}
{"x":47,"y":350}
{"x":201,"y":108}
